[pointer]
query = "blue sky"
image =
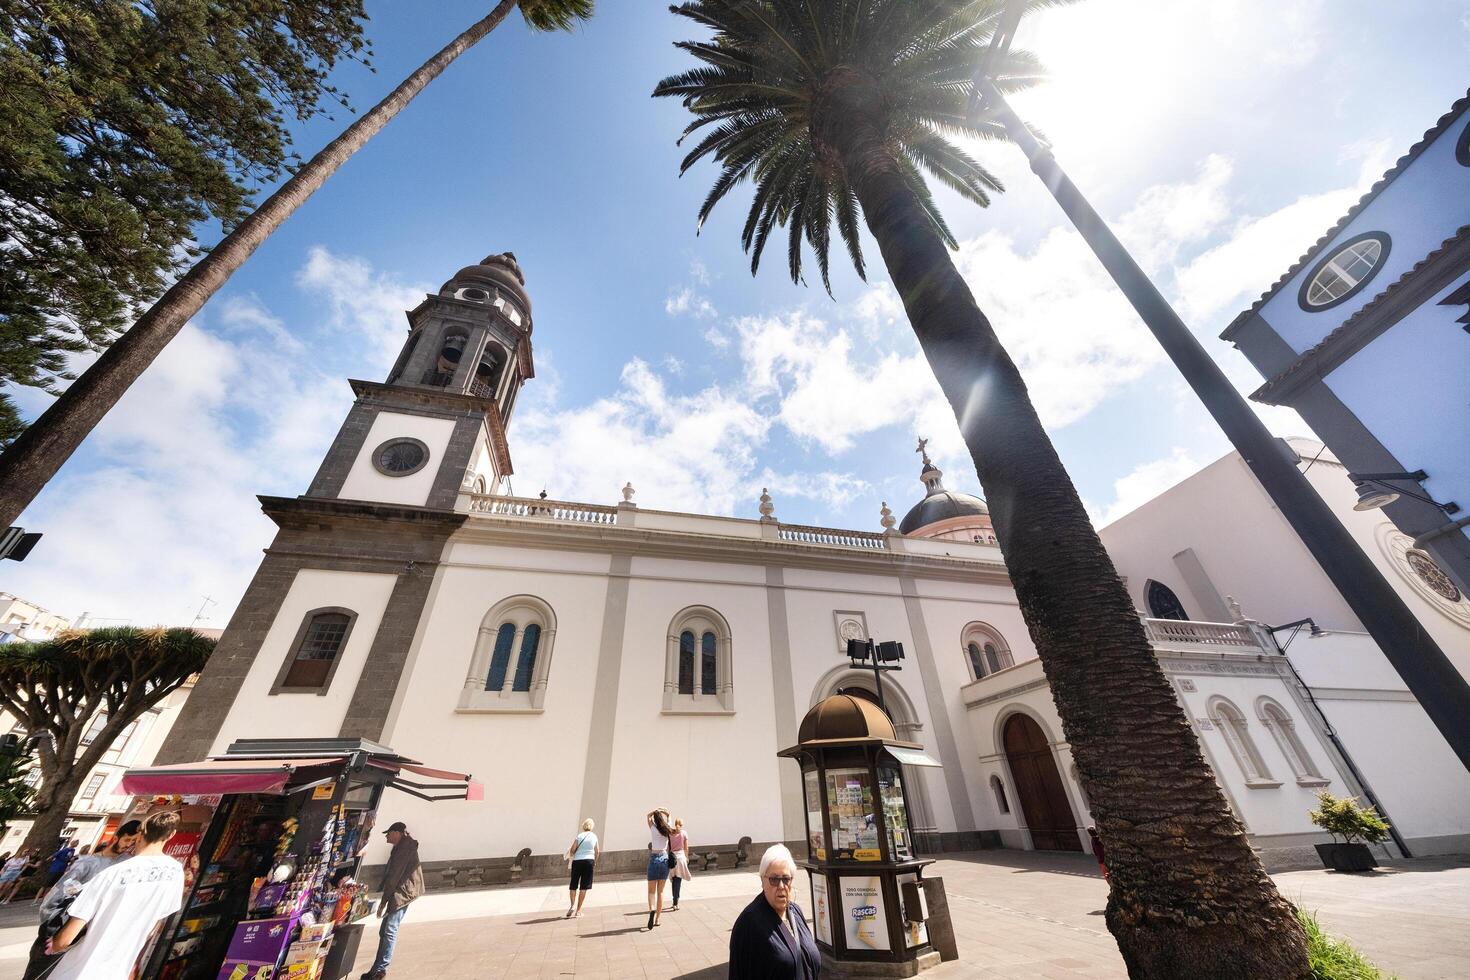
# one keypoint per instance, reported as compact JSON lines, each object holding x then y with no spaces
{"x":1221,"y":137}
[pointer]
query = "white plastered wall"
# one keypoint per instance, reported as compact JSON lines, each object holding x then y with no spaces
{"x":531,"y":763}
{"x":256,"y":711}
{"x":718,"y":772}
{"x":364,"y":482}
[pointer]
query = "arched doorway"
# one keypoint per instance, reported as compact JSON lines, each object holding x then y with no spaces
{"x":1039,"y":787}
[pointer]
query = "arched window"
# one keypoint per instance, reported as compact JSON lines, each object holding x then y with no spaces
{"x":698,"y":676}
{"x":686,"y":662}
{"x":1162,"y":602}
{"x":505,"y":638}
{"x":1283,"y":730}
{"x":1231,"y":722}
{"x":985,"y":651}
{"x":999,"y":789}
{"x":511,"y":663}
{"x":316,"y":652}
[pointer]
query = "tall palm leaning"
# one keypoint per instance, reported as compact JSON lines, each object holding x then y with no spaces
{"x":33,"y":458}
{"x":835,"y":107}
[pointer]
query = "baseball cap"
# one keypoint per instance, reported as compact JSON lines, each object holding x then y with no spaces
{"x":397,"y":825}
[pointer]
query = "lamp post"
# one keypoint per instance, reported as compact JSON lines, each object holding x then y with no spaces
{"x":1428,"y":673}
{"x":884,"y":656}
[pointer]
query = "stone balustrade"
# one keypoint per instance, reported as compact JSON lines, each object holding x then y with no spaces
{"x":542,"y":509}
{"x":869,"y":540}
{"x":1186,"y":634}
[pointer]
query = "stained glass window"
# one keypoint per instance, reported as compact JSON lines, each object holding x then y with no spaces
{"x":686,"y":662}
{"x":500,"y":659}
{"x":526,"y":665}
{"x":709,"y":663}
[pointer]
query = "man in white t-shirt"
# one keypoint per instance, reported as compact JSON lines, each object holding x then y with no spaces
{"x":121,"y":909}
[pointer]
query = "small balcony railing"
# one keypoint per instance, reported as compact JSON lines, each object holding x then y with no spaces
{"x":1171,"y":633}
{"x":549,"y":510}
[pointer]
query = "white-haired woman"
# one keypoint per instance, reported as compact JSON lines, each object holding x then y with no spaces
{"x":582,"y":858}
{"x":771,"y":939}
{"x":659,"y":833}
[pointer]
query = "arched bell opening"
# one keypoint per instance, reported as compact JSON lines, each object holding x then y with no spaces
{"x":488,"y":373}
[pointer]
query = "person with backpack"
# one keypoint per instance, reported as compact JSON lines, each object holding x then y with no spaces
{"x":54,"y":909}
{"x":122,"y":909}
{"x":581,"y":859}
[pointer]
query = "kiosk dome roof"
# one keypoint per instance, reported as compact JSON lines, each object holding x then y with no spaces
{"x":845,"y":716}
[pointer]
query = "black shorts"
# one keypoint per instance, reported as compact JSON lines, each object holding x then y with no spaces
{"x":581,"y":875}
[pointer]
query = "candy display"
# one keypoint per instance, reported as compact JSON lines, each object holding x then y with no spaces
{"x":276,"y":882}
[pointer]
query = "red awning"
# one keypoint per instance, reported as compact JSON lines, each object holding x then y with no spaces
{"x":220,"y":776}
{"x":458,"y":785}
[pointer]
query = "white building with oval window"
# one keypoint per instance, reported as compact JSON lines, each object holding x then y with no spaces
{"x":599,"y":659}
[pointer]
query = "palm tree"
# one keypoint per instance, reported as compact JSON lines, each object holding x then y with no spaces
{"x":835,"y":107}
{"x":35,"y":456}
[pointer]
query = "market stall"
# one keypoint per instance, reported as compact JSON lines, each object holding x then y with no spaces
{"x":271,"y":837}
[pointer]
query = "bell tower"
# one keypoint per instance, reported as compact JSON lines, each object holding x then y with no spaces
{"x":436,"y":426}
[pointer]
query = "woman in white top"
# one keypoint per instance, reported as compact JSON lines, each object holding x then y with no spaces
{"x":581,"y":858}
{"x":679,"y":866}
{"x":658,"y":862}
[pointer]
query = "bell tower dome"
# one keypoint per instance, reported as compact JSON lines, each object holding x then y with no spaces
{"x":473,"y":336}
{"x":436,"y":427}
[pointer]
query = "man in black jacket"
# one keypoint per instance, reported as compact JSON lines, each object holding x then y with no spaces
{"x":771,"y":939}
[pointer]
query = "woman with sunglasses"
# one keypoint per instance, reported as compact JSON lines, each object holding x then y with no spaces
{"x":771,"y":939}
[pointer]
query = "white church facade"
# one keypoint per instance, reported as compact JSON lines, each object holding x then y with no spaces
{"x":596,"y":660}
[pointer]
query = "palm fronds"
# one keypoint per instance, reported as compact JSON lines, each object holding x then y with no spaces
{"x":776,"y":76}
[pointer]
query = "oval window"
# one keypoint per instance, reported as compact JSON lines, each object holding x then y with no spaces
{"x":400,"y":457}
{"x":1340,"y":276}
{"x":1462,"y":147}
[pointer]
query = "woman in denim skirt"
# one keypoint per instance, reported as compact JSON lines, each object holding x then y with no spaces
{"x":658,"y":862}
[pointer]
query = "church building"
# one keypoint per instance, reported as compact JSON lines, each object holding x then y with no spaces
{"x":600,"y":659}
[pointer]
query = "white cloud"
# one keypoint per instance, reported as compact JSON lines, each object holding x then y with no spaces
{"x":686,"y":300}
{"x":367,"y":305}
{"x":717,"y":339}
{"x":682,"y":452}
{"x":1146,"y":482}
{"x":166,"y":513}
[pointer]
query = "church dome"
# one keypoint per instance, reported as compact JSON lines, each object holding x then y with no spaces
{"x":940,"y":506}
{"x":844,"y":716}
{"x":502,"y":272}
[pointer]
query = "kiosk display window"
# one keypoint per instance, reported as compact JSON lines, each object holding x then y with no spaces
{"x":816,"y":836}
{"x":851,"y":813}
{"x":895,"y":814}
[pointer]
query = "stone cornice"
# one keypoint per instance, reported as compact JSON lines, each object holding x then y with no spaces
{"x":650,"y":543}
{"x":455,"y":402}
{"x":287,"y":511}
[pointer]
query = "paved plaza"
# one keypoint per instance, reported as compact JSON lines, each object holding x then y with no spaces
{"x":1017,"y":915}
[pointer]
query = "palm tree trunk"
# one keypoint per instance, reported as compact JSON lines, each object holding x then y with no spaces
{"x":1189,"y":898}
{"x":34,"y":457}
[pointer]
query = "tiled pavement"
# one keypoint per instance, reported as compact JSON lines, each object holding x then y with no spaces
{"x":1017,"y":915}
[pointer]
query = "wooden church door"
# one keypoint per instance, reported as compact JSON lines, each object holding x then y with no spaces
{"x":1039,"y":787}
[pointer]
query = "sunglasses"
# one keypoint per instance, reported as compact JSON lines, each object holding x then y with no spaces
{"x":780,"y":881}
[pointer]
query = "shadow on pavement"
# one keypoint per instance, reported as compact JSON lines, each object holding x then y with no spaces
{"x":609,"y":932}
{"x":717,"y":972}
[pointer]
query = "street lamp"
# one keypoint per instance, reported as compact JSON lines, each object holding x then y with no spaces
{"x":1426,"y":671}
{"x":1374,"y":491}
{"x":878,"y":657}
